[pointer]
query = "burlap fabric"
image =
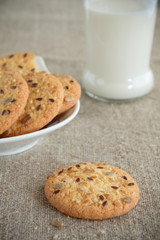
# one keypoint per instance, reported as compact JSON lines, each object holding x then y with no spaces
{"x":124,"y":135}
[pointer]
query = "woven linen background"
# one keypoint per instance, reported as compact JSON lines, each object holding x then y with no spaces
{"x":126,"y":135}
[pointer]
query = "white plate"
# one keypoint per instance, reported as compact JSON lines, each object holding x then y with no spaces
{"x":13,"y":145}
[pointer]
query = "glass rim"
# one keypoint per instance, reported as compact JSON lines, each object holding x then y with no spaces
{"x":151,"y":7}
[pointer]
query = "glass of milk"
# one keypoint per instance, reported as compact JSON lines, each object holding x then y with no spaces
{"x":119,"y":35}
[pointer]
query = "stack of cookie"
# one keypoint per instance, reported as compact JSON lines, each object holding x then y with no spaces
{"x":29,"y":99}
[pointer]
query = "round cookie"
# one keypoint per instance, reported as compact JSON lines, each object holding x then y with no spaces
{"x":92,"y":191}
{"x":23,"y":63}
{"x":72,"y":91}
{"x":13,"y":97}
{"x":44,"y":102}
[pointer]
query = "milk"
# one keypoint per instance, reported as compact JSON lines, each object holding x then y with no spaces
{"x":119,"y":37}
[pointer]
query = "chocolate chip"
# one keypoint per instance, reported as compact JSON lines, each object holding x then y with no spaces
{"x":34,"y":85}
{"x":33,"y":69}
{"x":104,"y":203}
{"x":127,"y":199}
{"x":124,"y":177}
{"x":1,"y":91}
{"x":4,"y":64}
{"x":101,"y":197}
{"x":57,"y":191}
{"x":11,"y":56}
{"x":20,"y":66}
{"x":66,"y":87}
{"x":130,"y":184}
{"x":51,"y":100}
{"x":114,"y":187}
{"x":25,"y":55}
{"x":13,"y":87}
{"x":71,"y":81}
{"x":69,"y":168}
{"x":60,"y":172}
{"x":39,"y":99}
{"x":26,"y":119}
{"x":100,"y":167}
{"x":89,"y":178}
{"x":78,"y":179}
{"x":29,"y":81}
{"x":77,"y":165}
{"x":14,"y":100}
{"x":38,"y":107}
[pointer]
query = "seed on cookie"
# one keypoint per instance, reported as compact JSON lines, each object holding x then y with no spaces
{"x":26,"y":119}
{"x":69,"y":99}
{"x":13,"y":87}
{"x":88,"y":170}
{"x":1,"y":91}
{"x":69,"y":168}
{"x":110,"y":173}
{"x":51,"y":100}
{"x":39,"y":99}
{"x":34,"y":85}
{"x":89,"y":178}
{"x":104,"y":203}
{"x":127,"y":200}
{"x":59,"y":185}
{"x":57,"y":191}
{"x":114,"y":187}
{"x":7,"y":100}
{"x":124,"y":177}
{"x":25,"y":55}
{"x":8,"y":111}
{"x":130,"y":184}
{"x":100,"y":167}
{"x":78,"y":166}
{"x":60,"y":172}
{"x":38,"y":107}
{"x":101,"y":197}
{"x":3,"y":112}
{"x":78,"y":180}
{"x":11,"y":56}
{"x":20,"y":66}
{"x":4,"y":64}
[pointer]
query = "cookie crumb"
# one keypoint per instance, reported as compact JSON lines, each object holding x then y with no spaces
{"x":57,"y":223}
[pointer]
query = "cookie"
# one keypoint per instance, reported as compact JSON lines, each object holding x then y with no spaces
{"x":22,"y":63}
{"x":92,"y":191}
{"x":72,"y":91}
{"x":13,"y":97}
{"x":44,"y":102}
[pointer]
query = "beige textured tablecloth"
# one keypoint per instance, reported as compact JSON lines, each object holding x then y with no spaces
{"x":124,"y":135}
